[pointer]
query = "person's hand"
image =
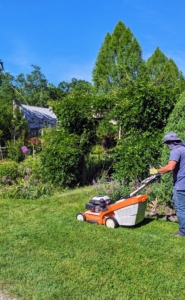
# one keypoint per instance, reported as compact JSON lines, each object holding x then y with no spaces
{"x":153,"y":171}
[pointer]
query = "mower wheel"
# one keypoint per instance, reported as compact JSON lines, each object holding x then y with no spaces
{"x":111,"y":223}
{"x":80,"y":217}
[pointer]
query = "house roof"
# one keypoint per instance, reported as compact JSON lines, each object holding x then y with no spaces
{"x":39,"y":112}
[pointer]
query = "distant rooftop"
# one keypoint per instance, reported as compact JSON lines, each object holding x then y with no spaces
{"x":40,"y":112}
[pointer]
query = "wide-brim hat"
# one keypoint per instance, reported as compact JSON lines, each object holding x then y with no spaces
{"x":171,"y":137}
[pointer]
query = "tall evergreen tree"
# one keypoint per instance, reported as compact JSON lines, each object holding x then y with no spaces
{"x":155,"y":63}
{"x":164,"y":71}
{"x":102,"y":72}
{"x":118,"y":60}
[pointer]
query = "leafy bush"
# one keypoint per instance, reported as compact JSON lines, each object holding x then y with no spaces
{"x":175,"y":124}
{"x":24,"y":180}
{"x":35,"y":145}
{"x":63,"y":159}
{"x":157,"y":191}
{"x":8,"y":171}
{"x":112,"y":188}
{"x":97,"y":165}
{"x":33,"y":163}
{"x":134,"y":154}
{"x":116,"y":189}
{"x":14,"y":150}
{"x":27,"y":188}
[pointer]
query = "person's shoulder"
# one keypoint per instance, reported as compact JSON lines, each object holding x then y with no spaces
{"x":180,"y":149}
{"x":176,"y":151}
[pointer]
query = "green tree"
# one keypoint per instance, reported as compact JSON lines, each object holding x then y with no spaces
{"x":101,"y":74}
{"x":75,"y":114}
{"x":116,"y":69}
{"x":156,"y":63}
{"x":164,"y":71}
{"x":55,"y":93}
{"x":118,"y":60}
{"x":18,"y":125}
{"x":33,"y":88}
{"x":155,"y":93}
{"x":151,"y":96}
{"x":75,"y":84}
{"x":7,"y":94}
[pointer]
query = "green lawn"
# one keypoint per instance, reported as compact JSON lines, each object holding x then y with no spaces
{"x":45,"y":253}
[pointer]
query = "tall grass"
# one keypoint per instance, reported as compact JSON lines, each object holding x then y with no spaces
{"x":47,"y":254}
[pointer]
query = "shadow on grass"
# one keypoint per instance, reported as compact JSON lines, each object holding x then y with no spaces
{"x":146,"y":221}
{"x":142,"y":223}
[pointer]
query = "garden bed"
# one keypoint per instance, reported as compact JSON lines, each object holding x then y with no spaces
{"x":162,"y":211}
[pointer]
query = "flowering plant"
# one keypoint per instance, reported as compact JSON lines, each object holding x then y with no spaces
{"x":24,"y":149}
{"x":108,"y":186}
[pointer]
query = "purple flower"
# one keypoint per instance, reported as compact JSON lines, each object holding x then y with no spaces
{"x":109,"y":191}
{"x":93,"y":182}
{"x":35,"y":180}
{"x":4,"y":179}
{"x":28,"y":170}
{"x":26,"y":177}
{"x":149,"y":190}
{"x":24,"y":149}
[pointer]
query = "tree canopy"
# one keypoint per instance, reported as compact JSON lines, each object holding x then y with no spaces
{"x":118,"y":59}
{"x":135,"y":95}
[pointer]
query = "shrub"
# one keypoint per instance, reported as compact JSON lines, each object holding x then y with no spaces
{"x":33,"y":163}
{"x":14,"y":150}
{"x":112,"y":188}
{"x":63,"y":159}
{"x":24,"y":180}
{"x":35,"y":145}
{"x":157,"y":191}
{"x":134,"y":154}
{"x":27,"y":188}
{"x":175,"y":124}
{"x":8,"y":171}
{"x":97,"y":165}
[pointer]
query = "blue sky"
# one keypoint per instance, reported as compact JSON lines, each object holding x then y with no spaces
{"x":63,"y":38}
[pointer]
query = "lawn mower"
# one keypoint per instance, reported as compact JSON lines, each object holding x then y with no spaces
{"x":128,"y":211}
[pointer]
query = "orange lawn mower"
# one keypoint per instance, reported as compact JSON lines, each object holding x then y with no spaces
{"x":128,"y":211}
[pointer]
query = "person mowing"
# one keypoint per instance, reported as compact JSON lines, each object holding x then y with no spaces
{"x":176,"y":164}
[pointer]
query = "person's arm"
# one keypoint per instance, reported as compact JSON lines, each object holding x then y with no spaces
{"x":168,"y":168}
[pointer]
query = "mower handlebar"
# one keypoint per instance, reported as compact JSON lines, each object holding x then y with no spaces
{"x":151,"y":178}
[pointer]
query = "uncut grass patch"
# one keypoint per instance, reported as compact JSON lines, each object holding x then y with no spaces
{"x":46,"y":253}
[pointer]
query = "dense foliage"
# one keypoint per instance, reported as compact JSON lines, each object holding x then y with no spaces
{"x":175,"y":124}
{"x":134,"y":154}
{"x":118,"y":60}
{"x":62,"y":158}
{"x":125,"y":111}
{"x":23,"y":180}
